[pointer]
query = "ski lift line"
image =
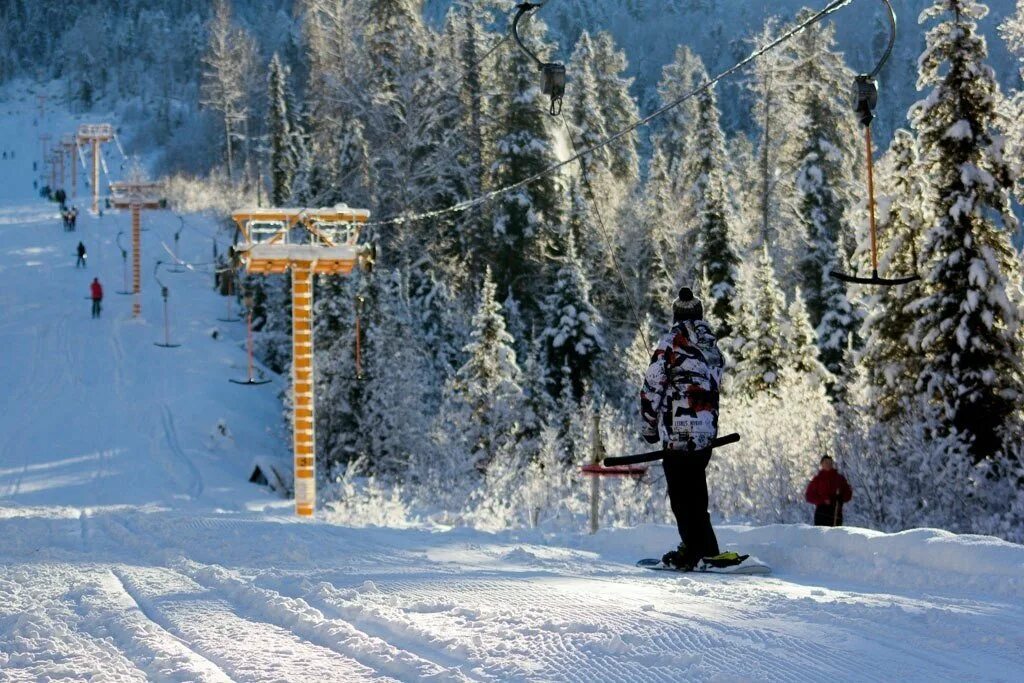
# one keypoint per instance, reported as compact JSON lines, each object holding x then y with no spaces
{"x":466,"y":204}
{"x":120,"y":148}
{"x":604,"y":235}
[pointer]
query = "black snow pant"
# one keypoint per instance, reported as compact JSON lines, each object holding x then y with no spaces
{"x":688,"y":493}
{"x":80,"y":263}
{"x":96,"y":308}
{"x":827,"y":515}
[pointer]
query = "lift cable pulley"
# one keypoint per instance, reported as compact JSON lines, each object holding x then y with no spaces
{"x":552,"y":74}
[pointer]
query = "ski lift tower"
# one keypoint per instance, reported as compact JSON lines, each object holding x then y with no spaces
{"x":307,"y":242}
{"x":135,"y":196}
{"x":95,"y":134}
{"x":70,"y":145}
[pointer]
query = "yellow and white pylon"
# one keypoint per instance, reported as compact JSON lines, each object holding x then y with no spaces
{"x":329,"y":248}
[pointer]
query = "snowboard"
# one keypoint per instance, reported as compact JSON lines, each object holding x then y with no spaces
{"x":749,"y":566}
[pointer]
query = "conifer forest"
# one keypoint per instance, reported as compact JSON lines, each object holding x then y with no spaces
{"x":526,"y":262}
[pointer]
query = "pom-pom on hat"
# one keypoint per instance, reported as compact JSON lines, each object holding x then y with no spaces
{"x":687,"y":306}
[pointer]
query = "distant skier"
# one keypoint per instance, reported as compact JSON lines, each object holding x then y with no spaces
{"x":61,"y":197}
{"x":96,"y":293}
{"x":828,"y":490}
{"x":81,"y":256}
{"x":679,"y":407}
{"x":73,"y":217}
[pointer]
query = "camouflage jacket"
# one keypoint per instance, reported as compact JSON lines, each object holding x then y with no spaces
{"x":679,"y":399}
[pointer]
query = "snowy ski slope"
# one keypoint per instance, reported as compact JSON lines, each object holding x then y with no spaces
{"x":132,"y":548}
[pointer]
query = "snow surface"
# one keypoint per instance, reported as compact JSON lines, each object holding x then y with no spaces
{"x":133,"y":548}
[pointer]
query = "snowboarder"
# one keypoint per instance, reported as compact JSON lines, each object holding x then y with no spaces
{"x":96,"y":294}
{"x":679,"y":407}
{"x":828,"y":490}
{"x":81,"y":256}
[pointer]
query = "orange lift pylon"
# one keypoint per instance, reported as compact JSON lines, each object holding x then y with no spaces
{"x":135,"y":196}
{"x":95,"y":134}
{"x":70,"y":145}
{"x":307,"y":242}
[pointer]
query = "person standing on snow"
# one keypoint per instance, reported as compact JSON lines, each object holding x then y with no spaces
{"x":679,"y":407}
{"x":96,"y":294}
{"x":828,"y":490}
{"x":81,"y":256}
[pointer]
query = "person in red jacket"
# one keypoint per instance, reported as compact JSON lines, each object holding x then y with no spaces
{"x":96,"y":292}
{"x":828,"y":491}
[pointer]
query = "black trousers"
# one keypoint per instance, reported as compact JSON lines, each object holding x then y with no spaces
{"x":688,"y":493}
{"x":96,"y":308}
{"x":827,"y":515}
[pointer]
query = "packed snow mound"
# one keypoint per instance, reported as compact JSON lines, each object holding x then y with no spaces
{"x":919,"y":559}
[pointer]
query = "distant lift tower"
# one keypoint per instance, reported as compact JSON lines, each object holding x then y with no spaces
{"x":308,"y":242}
{"x":135,"y":196}
{"x":95,"y":134}
{"x":70,"y":145}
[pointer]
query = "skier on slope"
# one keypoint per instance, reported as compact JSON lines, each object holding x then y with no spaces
{"x":827,"y":491}
{"x":81,"y":256}
{"x":679,"y":407}
{"x":96,"y":294}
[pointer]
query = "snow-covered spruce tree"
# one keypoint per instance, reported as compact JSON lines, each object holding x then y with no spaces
{"x":283,"y":155}
{"x":967,"y":325}
{"x":586,"y":115}
{"x":801,"y":344}
{"x":573,"y":326}
{"x":618,"y":107}
{"x":467,"y":25}
{"x":675,"y":133}
{"x":653,"y":256}
{"x":524,"y":219}
{"x":775,"y":125}
{"x":826,"y":157}
{"x":889,"y":362}
{"x":393,"y":35}
{"x":717,"y":257}
{"x":758,"y":330}
{"x":435,"y":318}
{"x":395,"y":403}
{"x":485,"y":392}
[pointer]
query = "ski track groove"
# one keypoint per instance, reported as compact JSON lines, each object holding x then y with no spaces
{"x":309,"y":623}
{"x":241,"y":646}
{"x":404,"y":635}
{"x":134,"y":634}
{"x":195,"y":488}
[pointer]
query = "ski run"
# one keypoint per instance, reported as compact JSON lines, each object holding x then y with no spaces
{"x":135,"y":545}
{"x":133,"y":548}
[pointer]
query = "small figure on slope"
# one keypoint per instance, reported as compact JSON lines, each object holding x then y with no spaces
{"x":679,"y":407}
{"x":828,"y":491}
{"x":81,"y":256}
{"x":96,"y":294}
